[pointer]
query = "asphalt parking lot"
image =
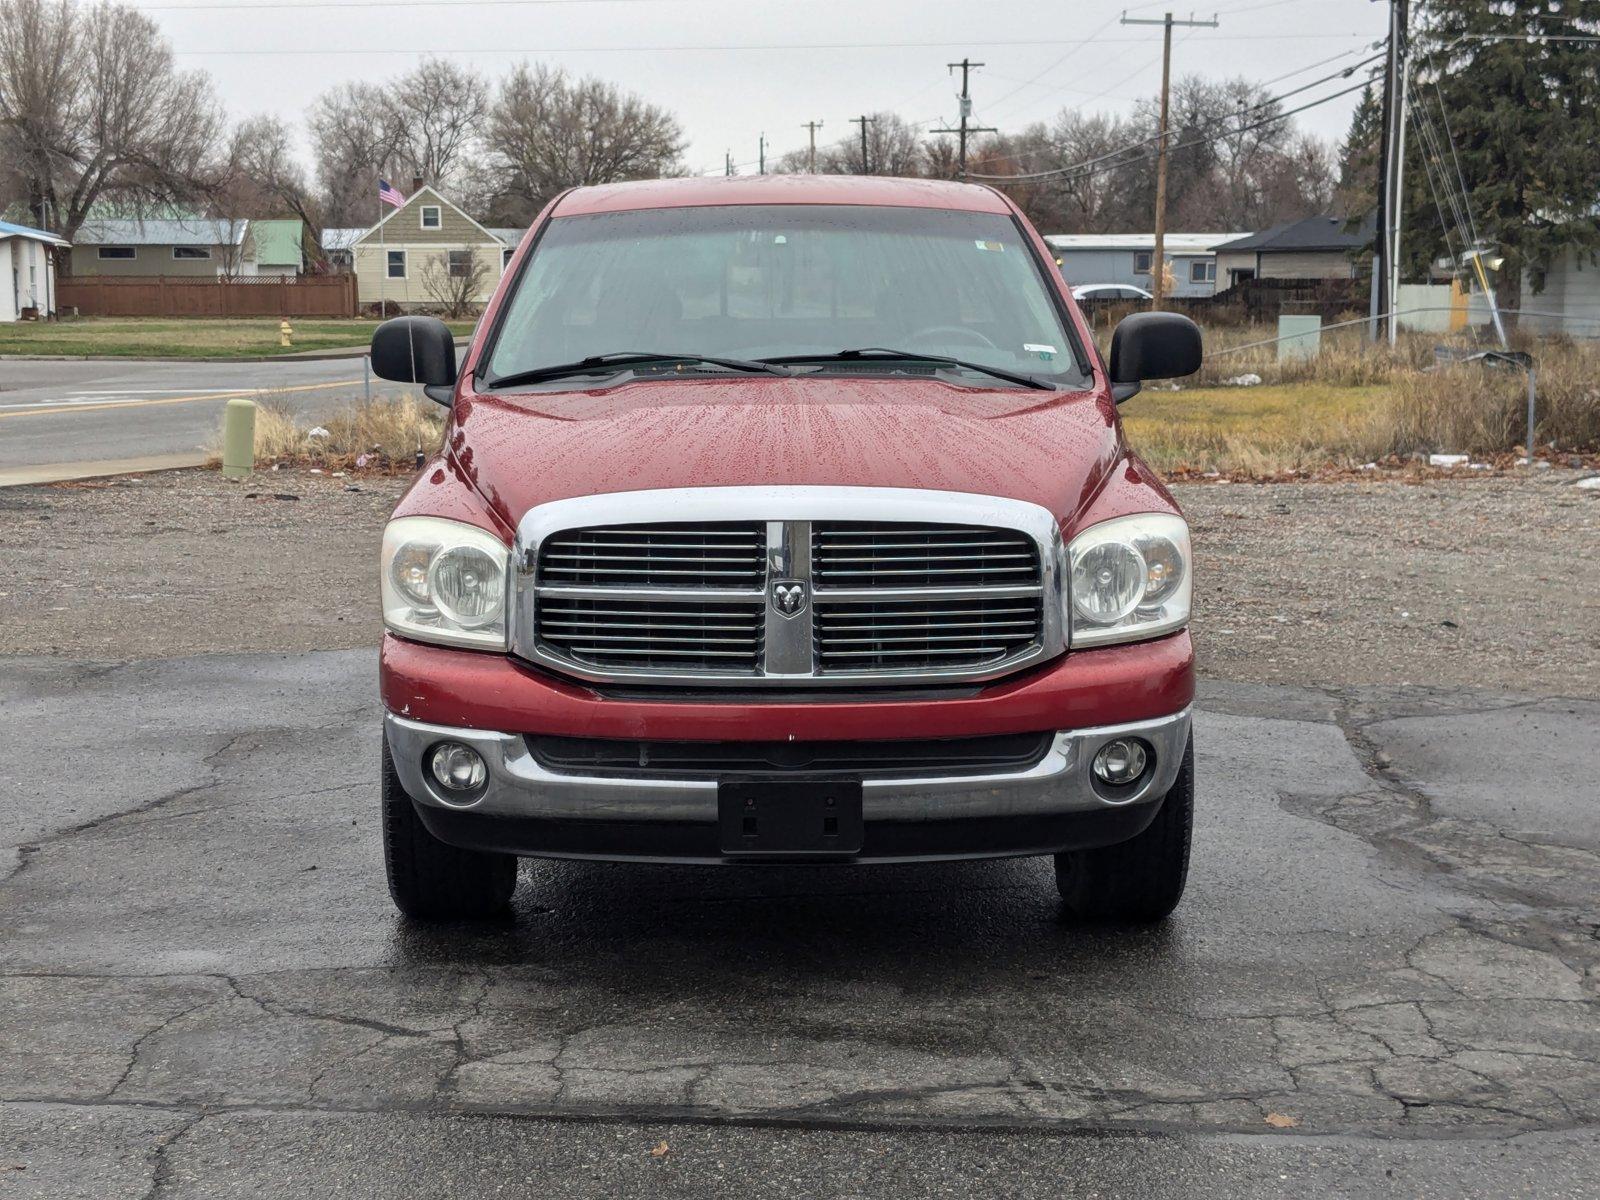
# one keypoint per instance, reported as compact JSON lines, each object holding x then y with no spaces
{"x":1383,"y":979}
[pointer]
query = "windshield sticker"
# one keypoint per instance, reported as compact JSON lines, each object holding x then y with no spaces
{"x":780,"y":240}
{"x":1044,"y":352}
{"x":983,"y":245}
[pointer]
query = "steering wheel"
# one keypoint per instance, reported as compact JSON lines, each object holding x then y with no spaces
{"x":958,"y":331}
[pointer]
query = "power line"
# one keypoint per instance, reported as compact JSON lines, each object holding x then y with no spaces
{"x":659,"y":49}
{"x":1082,"y":169}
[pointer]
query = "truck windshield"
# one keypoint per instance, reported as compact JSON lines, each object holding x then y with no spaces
{"x":791,"y":282}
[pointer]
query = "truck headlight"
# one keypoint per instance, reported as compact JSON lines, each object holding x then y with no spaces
{"x":1129,"y":578}
{"x":445,"y":581}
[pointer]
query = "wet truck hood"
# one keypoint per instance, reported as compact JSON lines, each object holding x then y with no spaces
{"x":522,"y":450}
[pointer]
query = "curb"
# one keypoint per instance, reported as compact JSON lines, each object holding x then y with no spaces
{"x":98,"y":468}
{"x":302,"y":356}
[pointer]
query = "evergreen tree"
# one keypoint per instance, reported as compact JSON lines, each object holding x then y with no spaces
{"x":1524,"y":119}
{"x":1357,"y":192}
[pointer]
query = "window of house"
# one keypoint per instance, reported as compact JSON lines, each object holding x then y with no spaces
{"x":505,"y":257}
{"x":115,"y":252}
{"x":397,"y":264}
{"x":460,"y":263}
{"x":1204,"y":271}
{"x":432,"y":217}
{"x":1141,"y":261}
{"x":182,"y":252}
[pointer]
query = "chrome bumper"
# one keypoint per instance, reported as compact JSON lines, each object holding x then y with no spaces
{"x":518,"y":786}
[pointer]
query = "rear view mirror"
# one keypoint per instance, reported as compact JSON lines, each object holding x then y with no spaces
{"x":416,"y":350}
{"x":1152,"y":345}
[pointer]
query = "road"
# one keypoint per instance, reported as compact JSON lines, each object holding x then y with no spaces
{"x":1383,"y":981}
{"x":104,"y":411}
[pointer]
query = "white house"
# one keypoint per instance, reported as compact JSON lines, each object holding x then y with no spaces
{"x":27,"y":271}
{"x":1125,"y":258}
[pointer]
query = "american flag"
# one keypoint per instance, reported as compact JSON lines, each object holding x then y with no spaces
{"x":389,"y":194}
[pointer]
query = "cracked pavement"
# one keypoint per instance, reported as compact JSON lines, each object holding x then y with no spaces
{"x":1390,"y":947}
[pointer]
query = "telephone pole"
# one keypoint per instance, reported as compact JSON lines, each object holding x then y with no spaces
{"x":727,"y":162}
{"x":1158,"y":259}
{"x":811,"y":157}
{"x":964,"y":129}
{"x":863,"y":120}
{"x":761,"y":156}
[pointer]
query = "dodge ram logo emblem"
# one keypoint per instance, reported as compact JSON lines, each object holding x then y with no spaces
{"x":789,"y":596}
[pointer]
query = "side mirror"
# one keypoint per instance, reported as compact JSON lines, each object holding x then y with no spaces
{"x":1152,"y":345}
{"x":416,"y":350}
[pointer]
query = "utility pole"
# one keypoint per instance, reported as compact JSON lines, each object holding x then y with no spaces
{"x":761,"y":156}
{"x":964,"y":129}
{"x":863,"y":120}
{"x":727,"y":162}
{"x":1395,"y":169}
{"x":1158,"y":259}
{"x":811,"y":157}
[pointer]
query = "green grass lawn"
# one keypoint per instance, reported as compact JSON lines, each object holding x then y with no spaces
{"x":198,"y":338}
{"x":1264,"y":428}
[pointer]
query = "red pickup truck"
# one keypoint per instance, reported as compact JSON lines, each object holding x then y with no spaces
{"x":783,"y":520}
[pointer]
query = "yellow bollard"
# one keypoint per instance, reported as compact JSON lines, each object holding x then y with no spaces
{"x":238,"y":439}
{"x":285,"y":334}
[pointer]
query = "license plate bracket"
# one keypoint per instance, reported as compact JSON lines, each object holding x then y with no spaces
{"x":809,"y":816}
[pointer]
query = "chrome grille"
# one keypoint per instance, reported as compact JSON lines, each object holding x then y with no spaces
{"x":690,"y":556}
{"x":848,"y":554}
{"x":795,"y":589}
{"x":903,"y":635}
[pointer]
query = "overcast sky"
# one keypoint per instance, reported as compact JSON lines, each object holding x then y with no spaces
{"x":732,"y":69}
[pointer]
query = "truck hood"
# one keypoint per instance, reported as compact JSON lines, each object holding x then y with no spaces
{"x":523,"y":450}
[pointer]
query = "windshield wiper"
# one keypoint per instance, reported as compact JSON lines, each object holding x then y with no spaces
{"x":884,"y":354}
{"x":621,"y":360}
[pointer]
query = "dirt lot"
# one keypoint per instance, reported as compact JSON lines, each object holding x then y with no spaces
{"x":1481,"y":583}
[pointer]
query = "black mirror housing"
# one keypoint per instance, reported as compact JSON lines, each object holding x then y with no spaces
{"x":1152,"y":345}
{"x":416,"y":350}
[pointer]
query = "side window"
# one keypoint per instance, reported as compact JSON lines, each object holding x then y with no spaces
{"x":115,"y":252}
{"x":1204,"y":271}
{"x":1141,"y":261}
{"x":432,"y":216}
{"x":397,"y":264}
{"x":183,"y":252}
{"x":460,"y":263}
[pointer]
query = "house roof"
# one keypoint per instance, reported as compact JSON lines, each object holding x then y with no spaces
{"x":10,"y":230}
{"x":341,"y":238}
{"x":433,"y":197}
{"x":137,"y":231}
{"x":780,"y":189}
{"x":511,"y":237}
{"x":1172,"y":243}
{"x":278,"y":241}
{"x":1309,"y":233}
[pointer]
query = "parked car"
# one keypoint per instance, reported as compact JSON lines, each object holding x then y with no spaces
{"x":1110,"y":291}
{"x":780,"y":520}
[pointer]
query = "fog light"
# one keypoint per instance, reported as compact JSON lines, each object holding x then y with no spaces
{"x":457,"y":767}
{"x":1120,"y":761}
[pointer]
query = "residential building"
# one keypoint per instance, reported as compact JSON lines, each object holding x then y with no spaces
{"x":1310,"y":248}
{"x":337,"y":243}
{"x":27,"y":271}
{"x":279,"y":246}
{"x":407,"y":257}
{"x":1126,"y":259}
{"x":164,"y":246}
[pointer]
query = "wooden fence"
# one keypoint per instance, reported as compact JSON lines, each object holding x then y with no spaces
{"x":184,"y":296}
{"x":1249,"y":302}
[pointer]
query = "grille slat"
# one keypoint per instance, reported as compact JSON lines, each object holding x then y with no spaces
{"x":627,"y":634}
{"x":679,"y":556}
{"x":858,"y":554}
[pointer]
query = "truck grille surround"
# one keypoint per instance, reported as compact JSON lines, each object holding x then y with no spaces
{"x":787,"y":586}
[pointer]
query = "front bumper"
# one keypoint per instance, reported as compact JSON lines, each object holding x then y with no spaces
{"x":525,"y":808}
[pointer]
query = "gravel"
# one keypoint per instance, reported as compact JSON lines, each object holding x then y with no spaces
{"x":1482,"y":583}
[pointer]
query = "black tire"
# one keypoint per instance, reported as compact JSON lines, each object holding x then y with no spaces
{"x":429,"y":879}
{"x":1141,"y":879}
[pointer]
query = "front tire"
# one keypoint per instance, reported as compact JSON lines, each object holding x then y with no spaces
{"x":1142,"y":879}
{"x":432,"y":880}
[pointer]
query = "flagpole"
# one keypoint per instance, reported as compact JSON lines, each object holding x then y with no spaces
{"x":383,"y":261}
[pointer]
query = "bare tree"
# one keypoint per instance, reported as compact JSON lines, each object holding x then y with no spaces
{"x":454,"y":280}
{"x":549,"y":132}
{"x":893,"y":148}
{"x":355,"y":138}
{"x":439,"y":110}
{"x":259,"y":176}
{"x":92,"y":109}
